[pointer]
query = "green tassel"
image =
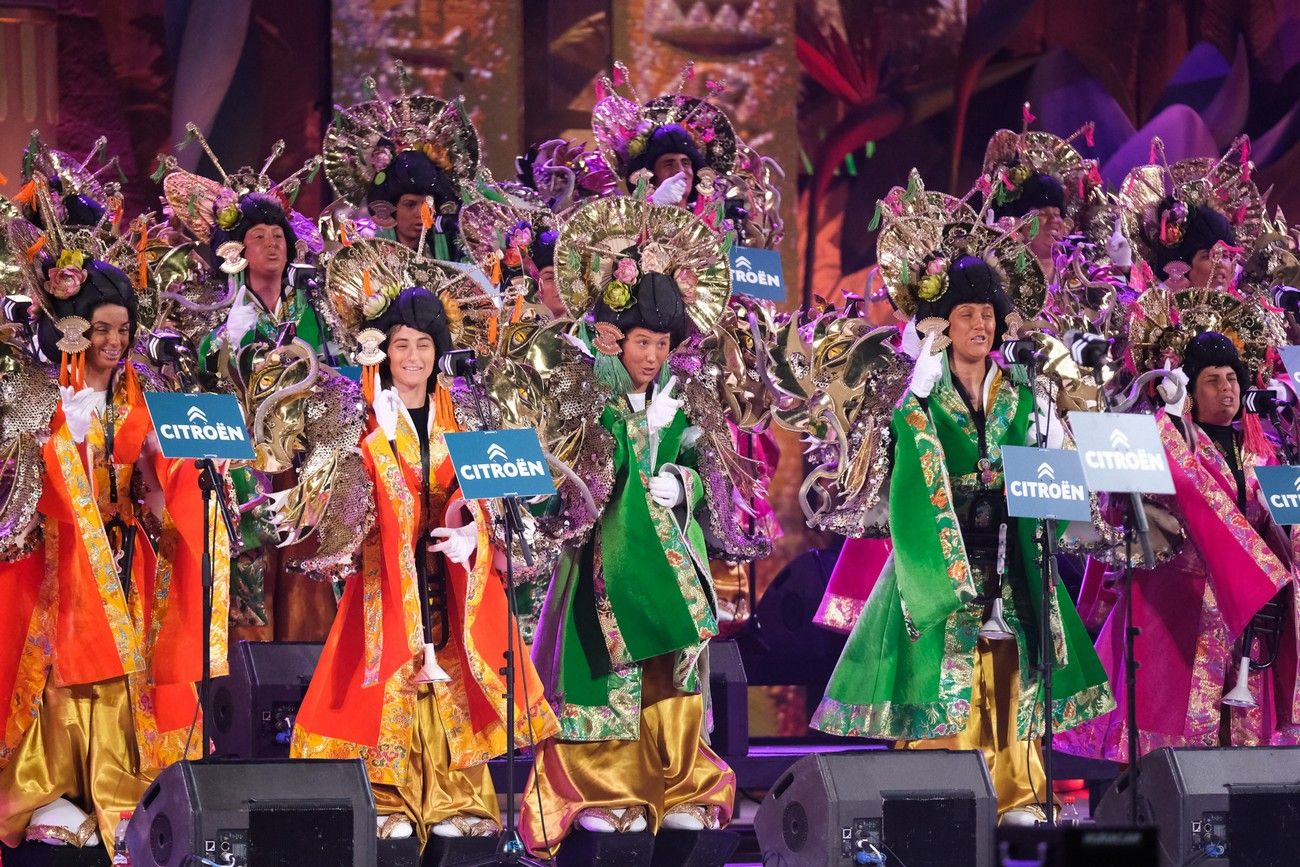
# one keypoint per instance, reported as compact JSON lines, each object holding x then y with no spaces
{"x":640,"y":193}
{"x":159,"y":172}
{"x":185,"y":142}
{"x":610,"y":371}
{"x":311,"y":175}
{"x":875,"y":218}
{"x":29,"y":155}
{"x":728,"y":241}
{"x":1033,"y":227}
{"x":906,"y":276}
{"x":595,"y":263}
{"x":912,"y":181}
{"x":368,"y":89}
{"x":1022,"y":261}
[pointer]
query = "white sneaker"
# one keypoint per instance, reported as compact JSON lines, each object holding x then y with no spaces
{"x":623,"y":820}
{"x":63,"y":823}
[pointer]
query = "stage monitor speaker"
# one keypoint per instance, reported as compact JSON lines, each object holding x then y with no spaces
{"x":919,"y":808}
{"x":261,"y":813}
{"x":729,"y":697}
{"x":1216,"y":806}
{"x":253,"y":707}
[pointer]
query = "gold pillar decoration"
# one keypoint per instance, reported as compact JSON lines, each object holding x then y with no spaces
{"x":450,"y":48}
{"x":29,"y":82}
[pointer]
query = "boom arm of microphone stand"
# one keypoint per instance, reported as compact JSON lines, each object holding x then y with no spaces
{"x":1136,"y":507}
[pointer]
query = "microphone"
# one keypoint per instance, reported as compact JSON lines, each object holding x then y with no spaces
{"x":1287,"y":297}
{"x":1089,"y":350}
{"x":1021,"y":352}
{"x":16,"y":309}
{"x":302,"y":276}
{"x":1265,"y":401}
{"x":166,"y":346}
{"x":458,"y":362}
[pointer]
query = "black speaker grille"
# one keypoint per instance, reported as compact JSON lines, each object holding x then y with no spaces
{"x":161,"y":838}
{"x":794,"y":825}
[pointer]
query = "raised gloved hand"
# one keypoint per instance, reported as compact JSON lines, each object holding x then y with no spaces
{"x":388,"y":408}
{"x":666,"y":490}
{"x":671,"y":191}
{"x":1173,"y":391}
{"x":663,"y":406}
{"x":241,"y":319}
{"x":458,"y":543}
{"x":78,"y":408}
{"x":928,"y":369}
{"x":1118,"y":249}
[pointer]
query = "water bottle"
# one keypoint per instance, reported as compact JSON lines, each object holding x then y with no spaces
{"x":120,"y":855}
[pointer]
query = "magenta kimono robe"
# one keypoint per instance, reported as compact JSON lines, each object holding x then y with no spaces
{"x":1191,"y":613}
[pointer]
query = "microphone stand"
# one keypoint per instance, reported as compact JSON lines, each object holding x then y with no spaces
{"x":1048,"y":574}
{"x":1135,"y":523}
{"x":210,"y":484}
{"x":510,"y":847}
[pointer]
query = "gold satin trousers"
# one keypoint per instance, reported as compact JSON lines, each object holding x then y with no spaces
{"x":80,"y":747}
{"x":1016,"y":766}
{"x":669,"y":765}
{"x":433,"y":790}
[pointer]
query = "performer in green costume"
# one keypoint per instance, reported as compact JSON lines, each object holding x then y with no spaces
{"x":919,"y":666}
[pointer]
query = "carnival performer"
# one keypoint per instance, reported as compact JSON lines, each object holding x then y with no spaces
{"x":1191,"y":219}
{"x":409,"y":679}
{"x":1040,"y":175}
{"x":408,"y":161}
{"x":631,"y":607}
{"x":264,"y":253}
{"x":1193,"y":605}
{"x":918,"y":666}
{"x":102,"y":640}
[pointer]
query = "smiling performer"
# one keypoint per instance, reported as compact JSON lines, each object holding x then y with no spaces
{"x":409,"y":679}
{"x":102,"y":638}
{"x":918,"y":666}
{"x":630,"y":608}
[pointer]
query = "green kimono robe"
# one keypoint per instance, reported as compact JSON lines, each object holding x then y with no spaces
{"x":638,"y":588}
{"x":906,"y":669}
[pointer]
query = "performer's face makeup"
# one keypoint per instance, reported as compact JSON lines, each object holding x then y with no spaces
{"x":110,"y":338}
{"x":1217,"y":396}
{"x":549,"y":294}
{"x":1051,"y":228}
{"x":265,"y":249}
{"x":1211,"y":268}
{"x":971,"y":328}
{"x":411,"y":356}
{"x":670,"y":164}
{"x":408,"y":219}
{"x":644,"y":353}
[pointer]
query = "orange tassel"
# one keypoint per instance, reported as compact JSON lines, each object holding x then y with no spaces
{"x":142,"y":261}
{"x":444,"y":412}
{"x":426,"y":215}
{"x":27,"y":194}
{"x":35,"y":248}
{"x":492,"y":331}
{"x":343,"y":235}
{"x":369,"y":375}
{"x":65,"y":369}
{"x":519,"y":309}
{"x":496,"y":270}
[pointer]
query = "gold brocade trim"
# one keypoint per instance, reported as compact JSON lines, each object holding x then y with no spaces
{"x":77,"y":838}
{"x":37,"y":651}
{"x":372,"y":604}
{"x":219,"y":630}
{"x":615,"y":646}
{"x":619,"y":720}
{"x":838,"y":612}
{"x":103,"y":567}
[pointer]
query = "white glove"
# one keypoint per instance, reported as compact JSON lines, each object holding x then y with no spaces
{"x":388,"y":408}
{"x":928,"y":369}
{"x":240,"y":320}
{"x":1173,"y":391}
{"x":78,"y":408}
{"x":671,"y":191}
{"x":1118,"y":249}
{"x":666,"y":490}
{"x":663,"y":407}
{"x":458,"y":543}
